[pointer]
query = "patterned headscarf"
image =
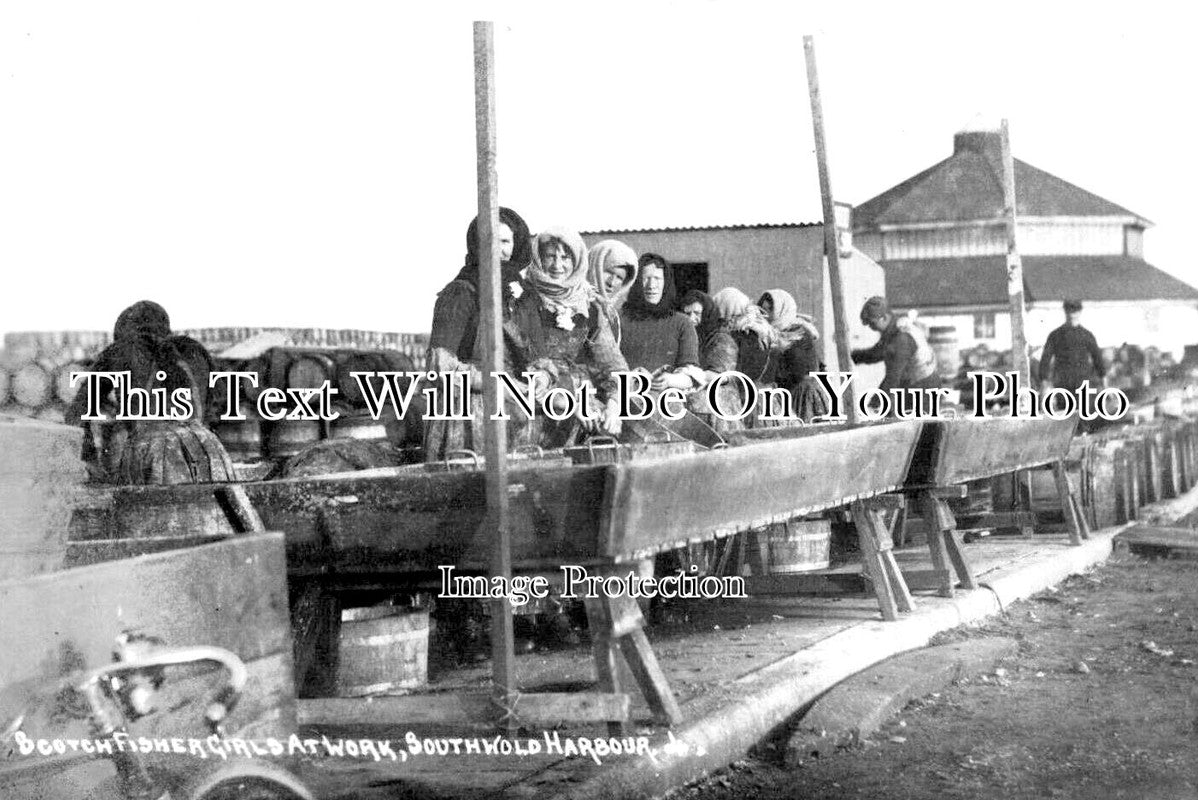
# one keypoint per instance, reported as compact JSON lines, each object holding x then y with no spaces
{"x":571,"y":294}
{"x":606,"y":255}
{"x":739,"y":313}
{"x":786,"y":316}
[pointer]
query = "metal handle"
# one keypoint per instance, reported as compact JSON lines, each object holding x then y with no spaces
{"x":658,"y":436}
{"x":534,"y":449}
{"x":467,"y":453}
{"x":603,"y":442}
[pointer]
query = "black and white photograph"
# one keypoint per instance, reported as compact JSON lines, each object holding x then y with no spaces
{"x":607,"y":401}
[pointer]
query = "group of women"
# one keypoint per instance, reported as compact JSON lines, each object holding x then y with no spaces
{"x":573,"y":316}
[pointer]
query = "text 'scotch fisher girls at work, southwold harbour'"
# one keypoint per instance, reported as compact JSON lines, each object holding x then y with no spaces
{"x":447,"y":398}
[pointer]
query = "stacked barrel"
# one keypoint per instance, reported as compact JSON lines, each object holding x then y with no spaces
{"x":35,"y":366}
{"x":1120,"y":469}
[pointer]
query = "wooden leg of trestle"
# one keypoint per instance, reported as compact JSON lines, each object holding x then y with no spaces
{"x":617,"y":622}
{"x":605,"y":651}
{"x":934,"y":514}
{"x":878,"y":561}
{"x":1068,"y":507}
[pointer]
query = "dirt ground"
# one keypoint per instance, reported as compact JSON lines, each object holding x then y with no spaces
{"x":1101,"y":702}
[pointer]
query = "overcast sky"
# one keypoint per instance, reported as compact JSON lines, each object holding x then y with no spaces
{"x":309,"y":164}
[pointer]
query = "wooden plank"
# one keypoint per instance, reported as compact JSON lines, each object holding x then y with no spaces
{"x":806,"y":583}
{"x":1024,"y":520}
{"x":971,"y":449}
{"x":238,"y":509}
{"x":465,"y":709}
{"x":82,"y":554}
{"x":739,"y":488}
{"x":1156,"y":536}
{"x":649,"y":676}
{"x":927,"y":579}
{"x":1065,"y":493}
{"x":871,"y":559}
{"x":230,"y":594}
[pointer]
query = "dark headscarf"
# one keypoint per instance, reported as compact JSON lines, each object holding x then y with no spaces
{"x":710,"y":321}
{"x":143,"y":318}
{"x":637,"y":306}
{"x":521,"y":250}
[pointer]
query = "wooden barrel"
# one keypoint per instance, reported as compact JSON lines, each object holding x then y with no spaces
{"x":291,"y":436}
{"x":358,"y":426}
{"x":33,"y":384}
{"x":943,"y":341}
{"x":382,"y":649}
{"x":347,"y":385}
{"x":41,"y":477}
{"x":800,"y":545}
{"x":309,"y":371}
{"x":169,"y":453}
{"x":242,"y":439}
{"x":63,"y":391}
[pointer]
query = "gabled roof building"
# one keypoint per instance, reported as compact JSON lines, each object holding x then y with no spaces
{"x":940,"y":239}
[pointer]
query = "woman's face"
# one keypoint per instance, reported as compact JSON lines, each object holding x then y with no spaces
{"x":614,"y":277}
{"x":694,"y":311}
{"x":556,"y":260}
{"x":767,"y":305}
{"x":507,"y":242}
{"x":653,"y":282}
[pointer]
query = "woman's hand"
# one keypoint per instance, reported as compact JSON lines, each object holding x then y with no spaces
{"x":671,"y":380}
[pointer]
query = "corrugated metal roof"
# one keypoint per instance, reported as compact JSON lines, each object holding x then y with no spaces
{"x":978,"y":281}
{"x":757,"y":225}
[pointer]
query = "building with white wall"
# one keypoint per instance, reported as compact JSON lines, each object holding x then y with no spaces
{"x":941,"y":241}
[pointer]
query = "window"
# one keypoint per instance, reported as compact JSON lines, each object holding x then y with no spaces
{"x":983,"y":325}
{"x":690,"y":275}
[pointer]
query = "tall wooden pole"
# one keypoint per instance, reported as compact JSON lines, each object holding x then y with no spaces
{"x":1014,"y":265}
{"x":503,"y":660}
{"x":831,"y":245}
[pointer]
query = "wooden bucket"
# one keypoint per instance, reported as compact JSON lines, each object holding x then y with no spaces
{"x":358,"y":427}
{"x":41,"y":477}
{"x":291,"y":436}
{"x":382,"y":648}
{"x":800,"y":545}
{"x":242,"y":439}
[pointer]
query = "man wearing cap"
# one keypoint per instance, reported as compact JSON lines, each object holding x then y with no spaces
{"x":902,"y":346}
{"x":1071,"y":354}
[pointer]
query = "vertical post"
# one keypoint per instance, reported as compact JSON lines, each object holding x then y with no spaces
{"x":1014,"y":266}
{"x":831,"y":245}
{"x":503,"y":661}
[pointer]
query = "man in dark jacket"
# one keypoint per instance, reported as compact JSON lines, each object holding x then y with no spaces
{"x":1071,"y":354}
{"x":902,"y":346}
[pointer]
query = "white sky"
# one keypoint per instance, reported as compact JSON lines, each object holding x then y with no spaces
{"x":312,"y":164}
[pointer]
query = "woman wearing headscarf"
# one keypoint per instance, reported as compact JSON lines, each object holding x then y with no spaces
{"x":559,"y":330}
{"x":454,"y":344}
{"x":797,"y":353}
{"x":154,"y":451}
{"x":655,"y":337}
{"x":613,"y":271}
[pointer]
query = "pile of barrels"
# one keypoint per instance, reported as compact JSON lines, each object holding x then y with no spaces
{"x":35,"y":367}
{"x":253,"y":438}
{"x":1118,"y":470}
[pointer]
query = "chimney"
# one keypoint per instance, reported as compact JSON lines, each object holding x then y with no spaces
{"x":985,"y":143}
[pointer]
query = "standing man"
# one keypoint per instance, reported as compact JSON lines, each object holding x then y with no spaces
{"x":1071,"y":354}
{"x":910,"y":360}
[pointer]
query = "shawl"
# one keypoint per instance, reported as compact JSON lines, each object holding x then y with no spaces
{"x":568,"y":296}
{"x":638,"y":307}
{"x":710,"y":321}
{"x":511,"y":269}
{"x":609,"y":254}
{"x":737,"y":311}
{"x":786,"y":317}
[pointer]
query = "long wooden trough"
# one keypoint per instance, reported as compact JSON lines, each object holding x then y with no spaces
{"x":415,"y":521}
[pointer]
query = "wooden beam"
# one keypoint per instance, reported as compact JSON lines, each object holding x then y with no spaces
{"x":831,"y":245}
{"x":490,"y":300}
{"x":541,"y":710}
{"x":1014,"y":265}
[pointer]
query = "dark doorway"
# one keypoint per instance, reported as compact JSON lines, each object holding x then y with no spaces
{"x":691,"y":275}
